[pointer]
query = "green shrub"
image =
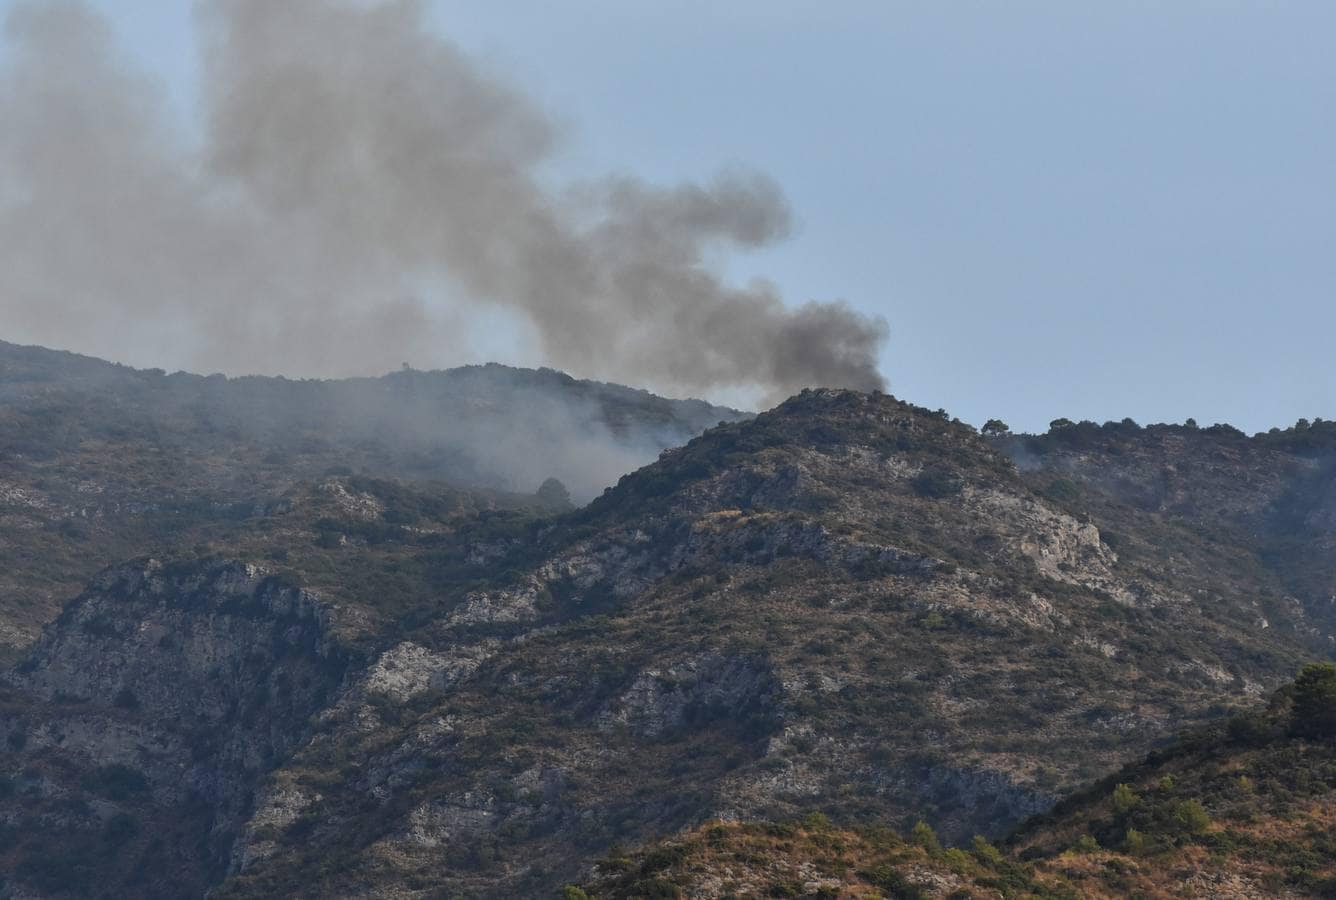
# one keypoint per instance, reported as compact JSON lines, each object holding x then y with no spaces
{"x":986,"y":852}
{"x":1124,"y":798}
{"x":1191,"y":817}
{"x":1063,"y":489}
{"x":656,"y":889}
{"x":816,"y":822}
{"x":923,"y":835}
{"x":895,"y":884}
{"x":1315,"y":701}
{"x":662,"y":858}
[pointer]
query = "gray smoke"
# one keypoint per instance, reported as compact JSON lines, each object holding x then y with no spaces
{"x":364,"y":194}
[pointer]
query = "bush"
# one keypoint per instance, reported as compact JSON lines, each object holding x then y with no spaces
{"x":923,"y":835}
{"x":986,"y":852}
{"x":900,"y":887}
{"x":1063,"y":489}
{"x":1252,"y":729}
{"x":816,"y":822}
{"x":656,"y":889}
{"x":1124,"y":798}
{"x":661,"y":859}
{"x":1191,"y":817}
{"x":1315,"y":701}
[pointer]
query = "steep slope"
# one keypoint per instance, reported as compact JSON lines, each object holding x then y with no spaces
{"x":1228,"y":513}
{"x":848,"y":604}
{"x":1242,"y":809}
{"x":100,"y":463}
{"x":136,"y":730}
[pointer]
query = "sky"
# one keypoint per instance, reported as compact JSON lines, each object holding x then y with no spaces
{"x":1061,"y":210}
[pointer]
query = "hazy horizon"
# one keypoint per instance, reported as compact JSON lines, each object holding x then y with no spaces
{"x":1088,"y":213}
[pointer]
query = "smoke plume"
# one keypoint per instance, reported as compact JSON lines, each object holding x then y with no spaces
{"x":362,"y":194}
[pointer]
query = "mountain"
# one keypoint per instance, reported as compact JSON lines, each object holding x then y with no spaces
{"x":1240,"y":809}
{"x":1232,"y":514}
{"x":100,"y":462}
{"x":847,"y":605}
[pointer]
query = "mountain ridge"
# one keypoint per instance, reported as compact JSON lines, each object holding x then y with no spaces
{"x":101,"y":462}
{"x":848,"y":605}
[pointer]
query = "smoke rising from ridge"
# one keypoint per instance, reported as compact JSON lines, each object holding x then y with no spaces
{"x":365,"y":194}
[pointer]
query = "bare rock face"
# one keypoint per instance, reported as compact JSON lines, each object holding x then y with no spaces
{"x":164,"y":693}
{"x":408,"y":669}
{"x":663,"y":701}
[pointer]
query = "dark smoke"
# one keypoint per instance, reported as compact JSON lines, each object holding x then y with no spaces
{"x":364,"y":194}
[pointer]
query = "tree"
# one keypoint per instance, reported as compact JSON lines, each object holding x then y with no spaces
{"x":923,"y":835}
{"x":1124,"y":798}
{"x":986,"y":852}
{"x":994,"y":428}
{"x":554,"y":494}
{"x":1059,"y":424}
{"x":1315,"y":701}
{"x":1191,"y":817}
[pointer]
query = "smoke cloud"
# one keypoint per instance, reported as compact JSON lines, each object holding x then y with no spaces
{"x":363,"y":194}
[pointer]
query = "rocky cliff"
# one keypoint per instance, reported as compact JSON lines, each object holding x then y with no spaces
{"x":137,"y":730}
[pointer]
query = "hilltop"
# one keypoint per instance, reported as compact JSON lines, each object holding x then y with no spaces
{"x":101,"y":462}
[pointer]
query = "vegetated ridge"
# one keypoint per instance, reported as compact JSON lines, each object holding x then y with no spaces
{"x":848,"y":605}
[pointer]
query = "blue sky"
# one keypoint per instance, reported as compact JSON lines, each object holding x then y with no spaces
{"x":1080,"y":210}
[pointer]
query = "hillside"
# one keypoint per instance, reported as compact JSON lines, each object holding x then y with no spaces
{"x":100,"y":463}
{"x":1244,"y":808}
{"x":848,"y":605}
{"x":1231,"y":514}
{"x":1239,"y":810}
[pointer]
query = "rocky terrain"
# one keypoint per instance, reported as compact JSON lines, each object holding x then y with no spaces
{"x":1239,"y":810}
{"x":373,"y":683}
{"x":1238,"y":514}
{"x":100,"y":463}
